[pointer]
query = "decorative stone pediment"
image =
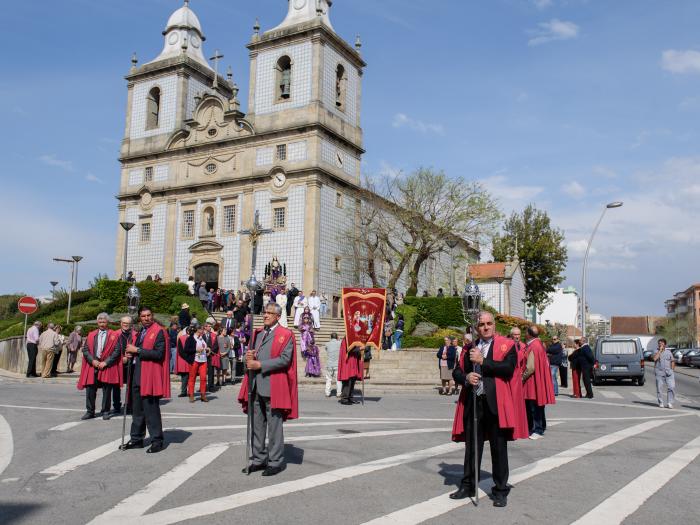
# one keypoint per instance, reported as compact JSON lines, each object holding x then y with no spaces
{"x":205,"y":247}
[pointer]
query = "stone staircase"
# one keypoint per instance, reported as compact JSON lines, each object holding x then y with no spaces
{"x":415,"y":369}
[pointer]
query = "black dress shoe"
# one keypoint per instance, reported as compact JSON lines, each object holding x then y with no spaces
{"x":155,"y":447}
{"x":273,"y":471}
{"x":346,"y":402}
{"x":500,"y":502}
{"x":107,"y":416}
{"x":254,"y":468}
{"x":87,"y":415}
{"x":182,"y":395}
{"x":132,"y":444}
{"x":463,"y":492}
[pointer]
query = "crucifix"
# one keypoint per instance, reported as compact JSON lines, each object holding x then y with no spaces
{"x":217,"y":56}
{"x":254,"y":234}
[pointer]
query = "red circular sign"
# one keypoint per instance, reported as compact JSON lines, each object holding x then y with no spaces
{"x":27,"y":305}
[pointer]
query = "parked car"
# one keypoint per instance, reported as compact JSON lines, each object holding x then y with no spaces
{"x":619,"y":358}
{"x":695,"y":359}
{"x":678,"y":354}
{"x":649,"y":355}
{"x":686,"y":359}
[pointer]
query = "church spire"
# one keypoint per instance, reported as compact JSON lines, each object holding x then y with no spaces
{"x":301,"y":11}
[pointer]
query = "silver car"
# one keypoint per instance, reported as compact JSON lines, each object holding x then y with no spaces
{"x":619,"y":358}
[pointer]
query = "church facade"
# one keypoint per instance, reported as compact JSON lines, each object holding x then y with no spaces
{"x":196,"y":170}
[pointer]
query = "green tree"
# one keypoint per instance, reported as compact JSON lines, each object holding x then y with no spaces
{"x":539,"y":247}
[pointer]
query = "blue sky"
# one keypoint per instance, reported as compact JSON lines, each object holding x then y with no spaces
{"x":569,"y":104}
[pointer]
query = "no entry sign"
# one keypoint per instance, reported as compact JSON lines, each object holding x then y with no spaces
{"x":27,"y":305}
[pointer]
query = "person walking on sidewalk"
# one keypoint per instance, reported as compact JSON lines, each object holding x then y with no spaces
{"x":664,"y":370}
{"x":586,"y":361}
{"x":554,"y":355}
{"x":332,"y":354}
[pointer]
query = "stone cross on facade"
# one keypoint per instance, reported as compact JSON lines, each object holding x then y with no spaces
{"x":217,"y":56}
{"x":254,"y":235}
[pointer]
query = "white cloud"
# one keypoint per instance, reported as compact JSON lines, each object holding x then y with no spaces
{"x":553,"y":30}
{"x":402,"y":120}
{"x":511,"y":196}
{"x":386,"y":170}
{"x":92,"y":178}
{"x":543,"y":4}
{"x":574,"y":189}
{"x":690,"y":104}
{"x":51,"y":160}
{"x":680,"y":62}
{"x":578,"y":247}
{"x":604,"y":171}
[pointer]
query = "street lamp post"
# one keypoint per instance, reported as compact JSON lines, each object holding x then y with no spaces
{"x":77,"y":259}
{"x":127,"y":226}
{"x":585,"y":265}
{"x":73,"y":261}
{"x":452,"y":243}
{"x":53,"y":289}
{"x":500,"y":280}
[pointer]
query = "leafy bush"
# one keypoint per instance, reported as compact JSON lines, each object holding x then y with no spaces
{"x":49,"y":309}
{"x":86,"y":311}
{"x":196,"y":308}
{"x":8,"y":305}
{"x":410,"y":317}
{"x":154,"y":295}
{"x":442,"y":311}
{"x":410,"y":341}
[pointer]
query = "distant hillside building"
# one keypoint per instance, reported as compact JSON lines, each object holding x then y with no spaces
{"x":503,"y":286}
{"x":640,"y":325}
{"x":563,"y":308}
{"x":685,"y":306}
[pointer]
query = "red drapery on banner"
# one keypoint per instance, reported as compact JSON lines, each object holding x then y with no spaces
{"x":363,"y":310}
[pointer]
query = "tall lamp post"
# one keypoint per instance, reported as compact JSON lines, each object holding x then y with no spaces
{"x":500,"y":280}
{"x":471,"y":306}
{"x":77,"y":259}
{"x":127,"y":226}
{"x":72,"y":262}
{"x":584,"y":315}
{"x":53,"y":289}
{"x":452,"y":243}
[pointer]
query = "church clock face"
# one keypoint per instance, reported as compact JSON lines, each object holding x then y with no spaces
{"x":299,"y":4}
{"x":339,"y":159}
{"x":278,"y":179}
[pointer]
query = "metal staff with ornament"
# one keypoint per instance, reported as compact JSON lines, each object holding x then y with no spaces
{"x":133,"y":299}
{"x":471,"y":306}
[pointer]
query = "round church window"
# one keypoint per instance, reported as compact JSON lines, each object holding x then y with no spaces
{"x":212,"y":132}
{"x":210,"y":168}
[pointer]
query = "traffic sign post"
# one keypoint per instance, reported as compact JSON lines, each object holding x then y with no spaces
{"x":27,"y":306}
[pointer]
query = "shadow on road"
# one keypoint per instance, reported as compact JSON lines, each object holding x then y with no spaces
{"x":293,"y":455}
{"x":176,"y":436}
{"x":14,"y":512}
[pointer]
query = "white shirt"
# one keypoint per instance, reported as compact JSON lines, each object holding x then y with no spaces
{"x":201,"y":345}
{"x":484,"y":349}
{"x":101,"y":339}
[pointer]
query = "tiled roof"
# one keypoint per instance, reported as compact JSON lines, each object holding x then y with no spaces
{"x":487,"y":270}
{"x":630,"y":326}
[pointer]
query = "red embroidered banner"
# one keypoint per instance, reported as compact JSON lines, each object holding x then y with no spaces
{"x":363,"y":310}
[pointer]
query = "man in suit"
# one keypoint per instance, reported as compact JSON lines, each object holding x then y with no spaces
{"x":150,"y":381}
{"x":272,"y":360}
{"x":291,"y":295}
{"x":229,"y":323}
{"x":487,"y":372}
{"x":586,"y":361}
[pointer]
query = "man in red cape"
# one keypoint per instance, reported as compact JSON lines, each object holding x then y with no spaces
{"x":538,"y":388}
{"x":150,"y":381}
{"x":182,"y":367}
{"x":489,"y":373}
{"x":101,"y":367}
{"x":350,"y":369}
{"x":272,"y":358}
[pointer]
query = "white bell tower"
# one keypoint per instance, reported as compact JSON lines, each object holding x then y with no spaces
{"x":306,"y":11}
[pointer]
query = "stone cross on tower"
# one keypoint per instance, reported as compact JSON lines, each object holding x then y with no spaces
{"x":254,"y":235}
{"x":217,"y":56}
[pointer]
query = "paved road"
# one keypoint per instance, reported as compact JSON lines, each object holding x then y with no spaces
{"x":616,"y":458}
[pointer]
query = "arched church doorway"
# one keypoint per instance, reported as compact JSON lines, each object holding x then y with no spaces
{"x":209,"y":273}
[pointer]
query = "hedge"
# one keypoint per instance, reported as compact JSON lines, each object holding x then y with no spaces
{"x":410,"y":341}
{"x":86,"y":311}
{"x":442,"y":311}
{"x":196,"y":308}
{"x":157,"y":296}
{"x":410,"y":317}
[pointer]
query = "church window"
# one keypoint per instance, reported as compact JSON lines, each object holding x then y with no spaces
{"x":188,"y":224}
{"x":212,"y":132}
{"x":148,"y":177}
{"x":278,"y":218}
{"x":145,"y":232}
{"x":230,"y":218}
{"x":210,"y":168}
{"x":337,"y":264}
{"x":284,"y":78}
{"x":153,"y":109}
{"x":341,"y":79}
{"x":282,"y":152}
{"x":339,"y":200}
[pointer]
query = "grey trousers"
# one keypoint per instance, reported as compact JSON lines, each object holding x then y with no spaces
{"x":670,"y":383}
{"x":267,"y":421}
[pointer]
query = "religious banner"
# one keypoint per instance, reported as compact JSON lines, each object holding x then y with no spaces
{"x":363,"y":311}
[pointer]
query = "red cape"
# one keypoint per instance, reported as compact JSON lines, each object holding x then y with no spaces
{"x":284,"y":395}
{"x":511,"y":416}
{"x":155,"y":375}
{"x":181,"y":366}
{"x":516,"y":388}
{"x":112,"y":375}
{"x":538,"y":386}
{"x":349,"y":365}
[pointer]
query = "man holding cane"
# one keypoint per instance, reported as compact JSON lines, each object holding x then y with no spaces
{"x":487,"y":372}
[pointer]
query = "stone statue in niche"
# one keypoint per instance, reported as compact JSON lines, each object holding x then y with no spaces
{"x":209,"y":215}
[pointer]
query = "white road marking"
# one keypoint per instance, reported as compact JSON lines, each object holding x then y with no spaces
{"x":66,"y":426}
{"x":43,"y":408}
{"x":137,"y":504}
{"x":86,"y":458}
{"x":610,"y":394}
{"x":644,"y":396}
{"x":9,"y":480}
{"x":214,"y":506}
{"x":622,"y":405}
{"x":442,"y":504}
{"x":629,"y":418}
{"x":629,"y":498}
{"x":7,"y":446}
{"x":289,"y":425}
